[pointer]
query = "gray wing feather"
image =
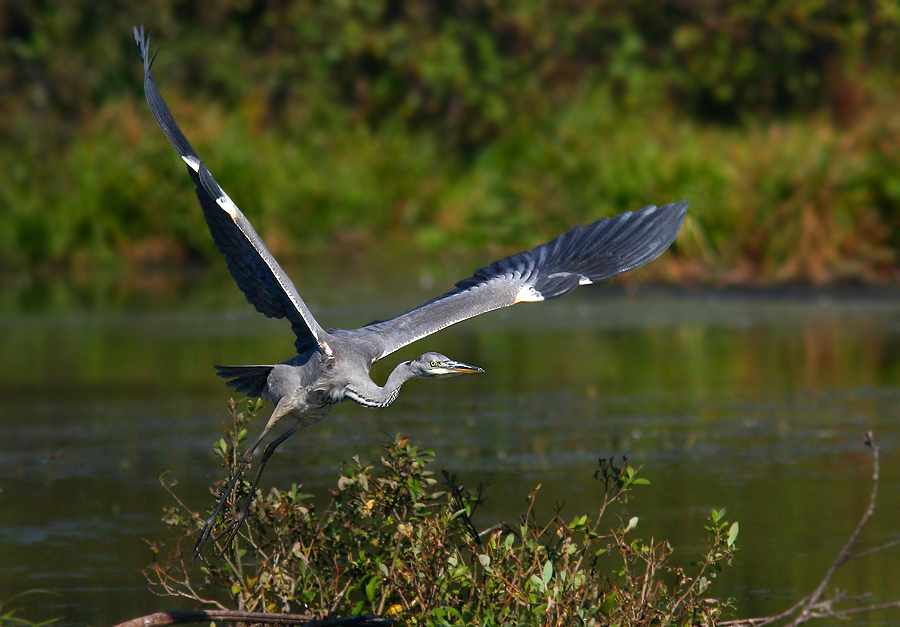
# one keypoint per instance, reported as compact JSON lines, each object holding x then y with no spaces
{"x":586,"y":254}
{"x":249,"y":380}
{"x":266,"y":286}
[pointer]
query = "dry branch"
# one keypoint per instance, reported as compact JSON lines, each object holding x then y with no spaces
{"x":814,"y":606}
{"x":160,"y":619}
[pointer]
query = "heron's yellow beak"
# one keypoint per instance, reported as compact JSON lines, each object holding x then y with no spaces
{"x":451,"y":367}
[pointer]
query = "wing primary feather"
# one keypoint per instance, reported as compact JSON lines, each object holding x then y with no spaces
{"x":583,"y":255}
{"x":266,"y":286}
{"x":158,"y":106}
{"x":249,"y":380}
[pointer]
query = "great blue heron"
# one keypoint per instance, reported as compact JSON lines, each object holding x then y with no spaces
{"x":333,"y":365}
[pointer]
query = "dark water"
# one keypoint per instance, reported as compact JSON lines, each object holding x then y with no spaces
{"x":756,"y":404}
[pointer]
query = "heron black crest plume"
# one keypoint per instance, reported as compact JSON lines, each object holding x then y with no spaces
{"x":333,"y":366}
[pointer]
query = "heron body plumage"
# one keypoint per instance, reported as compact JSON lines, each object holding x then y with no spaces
{"x":334,"y":365}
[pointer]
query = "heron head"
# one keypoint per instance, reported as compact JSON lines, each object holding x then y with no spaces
{"x":432,"y":365}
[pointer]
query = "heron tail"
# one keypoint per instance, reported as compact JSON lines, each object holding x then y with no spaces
{"x":250,"y":380}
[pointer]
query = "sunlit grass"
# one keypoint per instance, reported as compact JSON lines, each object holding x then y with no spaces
{"x":798,"y":200}
{"x":11,"y":617}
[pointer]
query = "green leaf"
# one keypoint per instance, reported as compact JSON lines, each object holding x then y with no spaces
{"x":641,"y":481}
{"x":371,"y":587}
{"x":608,"y":604}
{"x":733,"y":534}
{"x":547,"y":573}
{"x":578,"y":522}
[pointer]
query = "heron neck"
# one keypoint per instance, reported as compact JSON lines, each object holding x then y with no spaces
{"x":370,"y":394}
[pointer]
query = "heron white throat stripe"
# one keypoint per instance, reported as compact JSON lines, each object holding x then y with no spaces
{"x":355,"y":396}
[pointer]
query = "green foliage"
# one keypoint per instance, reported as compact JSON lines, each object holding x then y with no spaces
{"x":767,"y":58}
{"x":8,"y":617}
{"x":804,"y":201}
{"x":468,"y":68}
{"x":466,"y":124}
{"x":398,"y":541}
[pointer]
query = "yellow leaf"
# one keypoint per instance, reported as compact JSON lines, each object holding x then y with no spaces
{"x":393,"y":610}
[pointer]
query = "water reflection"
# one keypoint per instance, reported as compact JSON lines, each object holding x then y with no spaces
{"x":755,"y":404}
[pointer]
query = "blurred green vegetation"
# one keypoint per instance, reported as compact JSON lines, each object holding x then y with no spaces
{"x":469,"y":125}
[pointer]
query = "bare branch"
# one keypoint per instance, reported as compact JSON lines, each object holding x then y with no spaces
{"x":500,"y":525}
{"x":161,"y":619}
{"x":875,"y":549}
{"x":812,"y":606}
{"x":864,"y":610}
{"x":843,"y":556}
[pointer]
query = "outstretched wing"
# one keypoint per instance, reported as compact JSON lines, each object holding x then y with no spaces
{"x":266,"y":286}
{"x":584,"y":255}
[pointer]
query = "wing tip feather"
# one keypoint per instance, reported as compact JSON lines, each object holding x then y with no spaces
{"x":143,"y":44}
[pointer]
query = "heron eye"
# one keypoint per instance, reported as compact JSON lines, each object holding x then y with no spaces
{"x":433,"y":364}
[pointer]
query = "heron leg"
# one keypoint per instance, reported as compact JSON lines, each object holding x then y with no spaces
{"x":281,"y":410}
{"x":229,"y":533}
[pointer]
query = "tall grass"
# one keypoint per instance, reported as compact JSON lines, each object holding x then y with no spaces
{"x":798,"y":200}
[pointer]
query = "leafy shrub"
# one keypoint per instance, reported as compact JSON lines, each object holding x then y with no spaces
{"x":469,"y":68}
{"x":471,"y":124}
{"x":398,"y":541}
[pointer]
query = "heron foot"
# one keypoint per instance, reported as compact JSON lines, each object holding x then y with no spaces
{"x":231,"y":528}
{"x":228,"y":534}
{"x":210,"y":523}
{"x":206,"y":532}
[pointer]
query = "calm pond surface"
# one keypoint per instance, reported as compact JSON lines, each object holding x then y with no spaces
{"x":753,"y":403}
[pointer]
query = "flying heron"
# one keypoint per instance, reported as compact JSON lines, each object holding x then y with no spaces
{"x":333,"y":365}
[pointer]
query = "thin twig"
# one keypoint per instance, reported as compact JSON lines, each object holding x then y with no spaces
{"x":161,"y":619}
{"x":812,"y":606}
{"x":764,"y":620}
{"x":863,"y":610}
{"x":500,"y":525}
{"x":339,"y":596}
{"x":875,"y":549}
{"x":844,"y":554}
